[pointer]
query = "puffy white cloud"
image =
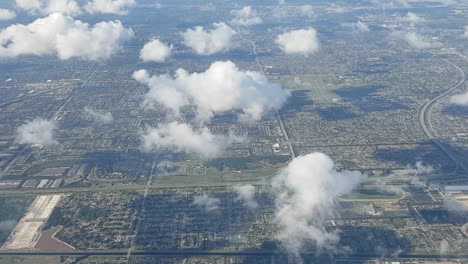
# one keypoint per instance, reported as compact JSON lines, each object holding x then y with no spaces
{"x":62,"y":35}
{"x":460,"y":99}
{"x":302,"y":41}
{"x":306,"y":195}
{"x":217,"y":39}
{"x":416,"y":41}
{"x":109,"y":6}
{"x":98,"y":116}
{"x":412,"y":18}
{"x":307,"y":10}
{"x":246,"y":194}
{"x":185,"y":138}
{"x":155,"y":50}
{"x":45,"y":7}
{"x":245,"y":17}
{"x":423,"y":169}
{"x":413,"y":39}
{"x":36,"y":132}
{"x":221,"y":88}
{"x":6,"y":14}
{"x":206,"y":202}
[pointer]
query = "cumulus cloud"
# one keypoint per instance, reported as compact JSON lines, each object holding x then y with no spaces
{"x":306,"y":193}
{"x":45,"y":7}
{"x":413,"y":39}
{"x":412,"y":18}
{"x":245,"y":17}
{"x":246,"y":194}
{"x":220,"y":89}
{"x":185,"y":138}
{"x":119,"y":7}
{"x":421,"y":169}
{"x":62,"y":35}
{"x":207,"y":42}
{"x":6,"y":14}
{"x":98,"y":116}
{"x":36,"y":132}
{"x":307,"y":10}
{"x":459,"y":99}
{"x":206,"y":202}
{"x":302,"y":41}
{"x":156,"y":51}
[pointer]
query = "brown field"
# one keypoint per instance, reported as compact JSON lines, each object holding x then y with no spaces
{"x":47,"y":241}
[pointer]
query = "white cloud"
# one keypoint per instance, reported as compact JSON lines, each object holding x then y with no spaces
{"x":392,"y":3}
{"x":337,"y":9}
{"x":412,"y":18}
{"x":155,"y":50}
{"x":302,"y":41}
{"x":246,"y":194}
{"x":465,"y":34}
{"x":185,"y":138}
{"x":36,"y":132}
{"x":206,"y":202}
{"x":98,"y":116}
{"x":398,"y":3}
{"x":118,"y":7}
{"x":220,"y":89}
{"x":45,"y":7}
{"x":245,"y":17}
{"x":413,"y":39}
{"x":422,"y":169}
{"x":6,"y":14}
{"x":307,"y":190}
{"x":416,"y":41}
{"x":460,"y":99}
{"x":307,"y":10}
{"x":358,"y":26}
{"x":454,"y":206}
{"x":445,"y":2}
{"x":217,"y":39}
{"x":62,"y":35}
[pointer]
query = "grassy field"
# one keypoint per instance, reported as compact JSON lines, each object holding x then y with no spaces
{"x":373,"y":193}
{"x":30,"y":259}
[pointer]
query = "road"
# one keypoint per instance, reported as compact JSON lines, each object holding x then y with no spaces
{"x":425,"y":119}
{"x":218,"y":253}
{"x":278,"y":115}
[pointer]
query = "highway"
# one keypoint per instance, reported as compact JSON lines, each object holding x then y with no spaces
{"x":425,"y":119}
{"x":189,"y":253}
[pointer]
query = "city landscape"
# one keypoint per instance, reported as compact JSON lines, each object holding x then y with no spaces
{"x":233,"y":132}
